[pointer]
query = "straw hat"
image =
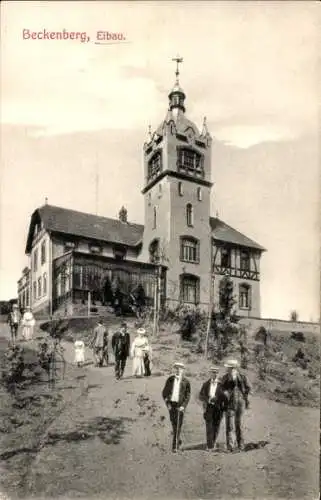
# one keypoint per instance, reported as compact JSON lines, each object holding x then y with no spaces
{"x":231,"y":363}
{"x":214,"y":369}
{"x":141,"y":331}
{"x":179,"y":365}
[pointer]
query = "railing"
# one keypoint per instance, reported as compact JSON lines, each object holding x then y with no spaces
{"x":235,"y":272}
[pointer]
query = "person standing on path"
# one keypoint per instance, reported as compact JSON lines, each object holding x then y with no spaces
{"x":120,"y":344}
{"x":28,"y":324}
{"x":176,"y":394}
{"x":137,"y":352}
{"x":237,"y":388}
{"x":214,"y":403}
{"x":14,"y":318}
{"x":98,"y":342}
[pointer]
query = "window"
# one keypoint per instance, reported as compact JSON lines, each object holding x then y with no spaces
{"x":154,"y":218}
{"x":199,"y":194}
{"x":189,"y":214}
{"x":35,"y":260}
{"x":39,"y":287}
{"x":154,"y":166}
{"x":245,"y":296}
{"x":190,"y":161}
{"x":225,"y":257}
{"x":43,"y":252}
{"x":245,"y":260}
{"x":69,"y":245}
{"x":154,"y":251}
{"x":34,"y":290}
{"x":180,"y":189}
{"x":119,"y":252}
{"x":44,"y":283}
{"x":190,"y":288}
{"x":189,"y":249}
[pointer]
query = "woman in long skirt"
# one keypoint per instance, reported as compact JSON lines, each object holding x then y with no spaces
{"x":28,"y":323}
{"x":137,"y":353}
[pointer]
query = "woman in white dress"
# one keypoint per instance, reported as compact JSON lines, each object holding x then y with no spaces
{"x":79,"y":347}
{"x":28,"y":323}
{"x":137,"y":352}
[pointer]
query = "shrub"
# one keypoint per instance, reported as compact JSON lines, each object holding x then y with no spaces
{"x":14,"y":365}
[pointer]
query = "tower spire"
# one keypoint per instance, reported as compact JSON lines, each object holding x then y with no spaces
{"x":178,"y":61}
{"x":177,"y":96}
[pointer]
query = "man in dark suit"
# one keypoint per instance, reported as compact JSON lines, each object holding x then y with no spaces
{"x":237,"y":388}
{"x":214,"y":403}
{"x":176,"y":394}
{"x":120,"y":344}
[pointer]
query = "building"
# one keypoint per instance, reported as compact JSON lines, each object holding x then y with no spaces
{"x":24,"y":288}
{"x":72,"y":253}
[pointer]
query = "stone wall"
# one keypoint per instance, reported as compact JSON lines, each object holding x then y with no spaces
{"x":271,"y":324}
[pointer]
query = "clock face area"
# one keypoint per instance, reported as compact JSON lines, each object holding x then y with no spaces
{"x":190,"y":135}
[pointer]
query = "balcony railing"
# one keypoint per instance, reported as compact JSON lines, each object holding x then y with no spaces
{"x":235,"y":272}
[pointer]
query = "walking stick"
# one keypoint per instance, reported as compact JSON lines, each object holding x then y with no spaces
{"x":177,"y":426}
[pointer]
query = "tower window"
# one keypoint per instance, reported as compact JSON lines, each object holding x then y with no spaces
{"x":189,"y":214}
{"x":149,"y":199}
{"x":189,"y":288}
{"x":245,"y":296}
{"x":199,"y":194}
{"x":154,"y":165}
{"x":189,"y":249}
{"x":154,"y":218}
{"x":180,"y":189}
{"x":34,"y":290}
{"x":43,"y":252}
{"x":44,"y":283}
{"x":190,"y":161}
{"x":154,"y":251}
{"x":39,"y":287}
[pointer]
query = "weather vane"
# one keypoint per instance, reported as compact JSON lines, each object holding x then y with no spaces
{"x":178,"y":60}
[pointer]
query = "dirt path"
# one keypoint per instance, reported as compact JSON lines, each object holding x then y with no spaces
{"x":115,"y":443}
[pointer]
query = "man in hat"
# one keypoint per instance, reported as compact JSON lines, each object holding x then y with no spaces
{"x":237,"y":388}
{"x":214,"y":403}
{"x":98,"y":343}
{"x":14,"y":320}
{"x":176,"y":394}
{"x":120,"y":343}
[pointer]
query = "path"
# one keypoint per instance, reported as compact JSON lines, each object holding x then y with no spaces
{"x":114,"y":444}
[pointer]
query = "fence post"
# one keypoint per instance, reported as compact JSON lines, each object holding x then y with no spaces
{"x":89,"y":303}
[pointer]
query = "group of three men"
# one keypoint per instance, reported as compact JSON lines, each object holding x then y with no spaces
{"x":228,"y":394}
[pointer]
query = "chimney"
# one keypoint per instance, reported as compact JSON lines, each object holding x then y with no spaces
{"x":123,"y":214}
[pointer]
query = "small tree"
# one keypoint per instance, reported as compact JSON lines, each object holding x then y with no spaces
{"x":294,"y":315}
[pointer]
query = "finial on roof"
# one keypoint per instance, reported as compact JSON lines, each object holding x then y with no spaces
{"x":204,"y":129}
{"x":178,"y":61}
{"x":122,"y":214}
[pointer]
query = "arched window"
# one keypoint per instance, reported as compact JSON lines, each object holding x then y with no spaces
{"x":44,"y":283}
{"x":189,"y":214}
{"x":180,"y":189}
{"x":43,"y":252}
{"x":190,"y":289}
{"x":189,"y":249}
{"x":154,"y":218}
{"x":199,"y":194}
{"x":39,"y":287}
{"x":244,"y":296}
{"x":154,"y":251}
{"x":34,"y":286}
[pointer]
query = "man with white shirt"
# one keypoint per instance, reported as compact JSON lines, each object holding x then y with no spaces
{"x":214,"y":404}
{"x":176,"y":394}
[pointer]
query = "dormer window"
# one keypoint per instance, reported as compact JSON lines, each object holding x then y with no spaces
{"x":154,"y":165}
{"x":190,"y":162}
{"x":119,"y":252}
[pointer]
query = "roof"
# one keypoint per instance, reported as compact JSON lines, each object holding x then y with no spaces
{"x":181,"y":123}
{"x":223,"y":232}
{"x":90,"y":226}
{"x":64,"y":220}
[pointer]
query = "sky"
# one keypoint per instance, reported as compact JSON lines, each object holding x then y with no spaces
{"x":70,"y":107}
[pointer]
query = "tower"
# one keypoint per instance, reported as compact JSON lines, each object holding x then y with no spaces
{"x":177,"y":187}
